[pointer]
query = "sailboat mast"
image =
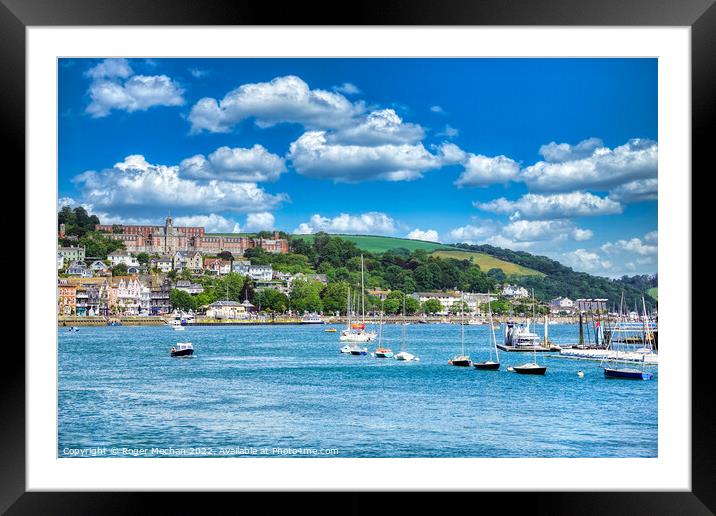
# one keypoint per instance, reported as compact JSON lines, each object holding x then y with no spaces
{"x":462,"y":328}
{"x":362,"y":290}
{"x":492,"y":328}
{"x":534,"y":324}
{"x":402,"y":340}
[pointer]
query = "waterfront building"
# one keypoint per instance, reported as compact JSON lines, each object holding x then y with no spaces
{"x":226,"y":310}
{"x":72,"y":254}
{"x":128,"y":291}
{"x":446,"y":299}
{"x":66,"y":297}
{"x":476,"y":300}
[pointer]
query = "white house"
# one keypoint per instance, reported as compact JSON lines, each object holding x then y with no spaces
{"x":163,"y":263}
{"x":60,"y":260}
{"x":129,"y":294}
{"x":255,"y":272}
{"x":119,"y":256}
{"x":561,"y":304}
{"x":446,"y":299}
{"x":515,"y":292}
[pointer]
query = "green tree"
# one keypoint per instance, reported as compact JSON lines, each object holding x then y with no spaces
{"x":432,"y":306}
{"x":334,"y":297}
{"x":271,"y":300}
{"x":225,"y":255}
{"x":455,"y":307}
{"x":181,"y":300}
{"x":119,"y":270}
{"x":497,"y":274}
{"x":143,"y":258}
{"x":500,"y":306}
{"x":412,"y":305}
{"x":306,"y":296}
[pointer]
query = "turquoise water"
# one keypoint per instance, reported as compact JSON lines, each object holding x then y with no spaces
{"x":266,"y":390}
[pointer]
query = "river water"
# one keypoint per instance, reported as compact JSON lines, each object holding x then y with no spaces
{"x":269,"y":389}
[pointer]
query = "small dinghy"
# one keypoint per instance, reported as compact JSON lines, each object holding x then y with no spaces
{"x":182,"y":349}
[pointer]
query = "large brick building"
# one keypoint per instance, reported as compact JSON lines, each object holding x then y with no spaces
{"x":169,"y":239}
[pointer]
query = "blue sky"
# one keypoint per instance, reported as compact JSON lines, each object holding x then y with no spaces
{"x":552,"y":156}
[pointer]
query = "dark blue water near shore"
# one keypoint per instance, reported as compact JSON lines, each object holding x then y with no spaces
{"x":289,"y":387}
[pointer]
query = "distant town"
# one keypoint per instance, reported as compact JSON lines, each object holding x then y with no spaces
{"x":155,"y":271}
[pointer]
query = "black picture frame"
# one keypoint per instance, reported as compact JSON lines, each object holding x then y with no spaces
{"x":17,"y":15}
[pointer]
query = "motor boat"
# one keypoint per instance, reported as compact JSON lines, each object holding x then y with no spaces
{"x":182,"y":349}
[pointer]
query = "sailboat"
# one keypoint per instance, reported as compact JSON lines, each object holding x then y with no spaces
{"x":531,"y":367}
{"x":490,"y":365}
{"x":461,"y":360}
{"x":355,"y":332}
{"x":403,"y":355}
{"x":613,"y":370}
{"x":381,"y":351}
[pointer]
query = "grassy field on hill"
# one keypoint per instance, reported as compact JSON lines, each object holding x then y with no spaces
{"x":380,"y":244}
{"x":487,"y":262}
{"x":654,"y":292}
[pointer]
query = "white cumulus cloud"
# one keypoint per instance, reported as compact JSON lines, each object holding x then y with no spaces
{"x":135,"y":184}
{"x":314,"y":156}
{"x":379,"y":127}
{"x":471,"y":234}
{"x":371,"y":223}
{"x":212,"y":223}
{"x":482,"y":170}
{"x":636,"y":191}
{"x":262,"y":221}
{"x":114,"y":87}
{"x":283,"y":99}
{"x":347,"y":88}
{"x":429,"y":235}
{"x":235,"y":164}
{"x":601,"y":168}
{"x":555,"y":206}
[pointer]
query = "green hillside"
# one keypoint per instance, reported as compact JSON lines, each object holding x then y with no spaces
{"x":487,"y":262}
{"x":380,"y":244}
{"x":654,"y":292}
